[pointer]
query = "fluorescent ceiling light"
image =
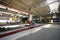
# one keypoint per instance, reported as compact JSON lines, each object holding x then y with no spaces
{"x":13,"y":9}
{"x":1,"y":12}
{"x":1,"y":6}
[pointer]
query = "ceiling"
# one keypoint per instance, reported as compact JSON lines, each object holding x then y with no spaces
{"x":30,"y":6}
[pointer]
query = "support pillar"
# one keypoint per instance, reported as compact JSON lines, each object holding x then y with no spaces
{"x":30,"y":19}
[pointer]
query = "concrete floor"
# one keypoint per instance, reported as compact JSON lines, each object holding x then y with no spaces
{"x":51,"y":33}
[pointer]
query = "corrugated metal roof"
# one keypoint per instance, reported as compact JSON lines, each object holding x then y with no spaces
{"x":25,"y":5}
